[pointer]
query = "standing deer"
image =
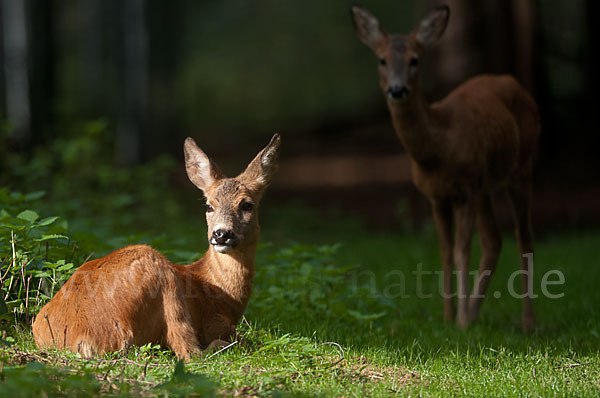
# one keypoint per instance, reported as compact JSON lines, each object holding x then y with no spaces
{"x":136,"y":296}
{"x":478,"y":140}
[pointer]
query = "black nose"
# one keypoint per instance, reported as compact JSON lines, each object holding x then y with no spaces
{"x":398,"y":92}
{"x":223,"y":237}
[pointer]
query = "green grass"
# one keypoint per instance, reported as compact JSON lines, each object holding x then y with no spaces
{"x":333,"y":322}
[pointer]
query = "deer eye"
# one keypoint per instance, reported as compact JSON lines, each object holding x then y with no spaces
{"x":414,"y":61}
{"x":209,"y":208}
{"x":246,"y":206}
{"x":382,"y":61}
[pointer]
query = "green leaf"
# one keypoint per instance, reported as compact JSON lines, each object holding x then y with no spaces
{"x":51,"y":236}
{"x":184,"y":384}
{"x":316,"y":294}
{"x":28,"y":215}
{"x":33,"y":195}
{"x":179,"y":373}
{"x":366,"y":317}
{"x":4,"y":214}
{"x":14,"y":227}
{"x":46,"y":221}
{"x":65,"y":267}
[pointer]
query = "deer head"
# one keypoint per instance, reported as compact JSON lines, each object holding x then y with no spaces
{"x":399,"y":54}
{"x":232,"y":203}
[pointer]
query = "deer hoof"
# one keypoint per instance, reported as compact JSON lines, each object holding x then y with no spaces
{"x":215,"y":345}
{"x":462,"y":321}
{"x":528,"y":326}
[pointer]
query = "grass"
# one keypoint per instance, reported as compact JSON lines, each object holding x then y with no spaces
{"x":357,"y":321}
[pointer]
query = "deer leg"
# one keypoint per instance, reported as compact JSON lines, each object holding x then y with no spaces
{"x":442,"y":214}
{"x":215,"y":345}
{"x":491,"y":243}
{"x":464,"y":217}
{"x":179,"y":333}
{"x":520,"y":195}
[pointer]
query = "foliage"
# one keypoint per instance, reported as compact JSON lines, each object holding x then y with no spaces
{"x":89,"y":378}
{"x":184,"y":384}
{"x":102,"y":200}
{"x":315,"y":327}
{"x":305,"y":279}
{"x":78,"y":171}
{"x":290,"y":344}
{"x":35,"y":379}
{"x":37,"y":255}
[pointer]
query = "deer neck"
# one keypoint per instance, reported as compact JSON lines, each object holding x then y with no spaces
{"x":415,"y":125}
{"x":231,"y":273}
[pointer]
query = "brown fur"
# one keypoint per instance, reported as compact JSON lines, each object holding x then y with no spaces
{"x":136,"y":296}
{"x":480,"y":139}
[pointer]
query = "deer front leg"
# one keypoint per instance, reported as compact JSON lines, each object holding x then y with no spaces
{"x":442,"y":215}
{"x":464,"y":217}
{"x":182,"y":340}
{"x":491,"y":243}
{"x":218,"y":331}
{"x":215,"y":345}
{"x":179,"y":333}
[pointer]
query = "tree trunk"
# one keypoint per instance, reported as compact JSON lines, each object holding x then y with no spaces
{"x":93,"y":88}
{"x":18,"y":112}
{"x":43,"y":65}
{"x":524,"y":28}
{"x":134,"y":80}
{"x":457,"y":55}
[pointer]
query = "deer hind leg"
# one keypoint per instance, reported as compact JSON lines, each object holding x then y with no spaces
{"x":491,"y":243}
{"x":521,"y":197}
{"x":442,"y":215}
{"x":464,"y":215}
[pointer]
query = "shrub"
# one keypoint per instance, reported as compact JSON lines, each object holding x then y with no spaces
{"x":302,"y":282}
{"x":36,"y":254}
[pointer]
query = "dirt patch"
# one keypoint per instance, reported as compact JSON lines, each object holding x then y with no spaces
{"x":362,"y":370}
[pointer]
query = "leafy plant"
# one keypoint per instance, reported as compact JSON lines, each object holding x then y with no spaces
{"x":185,"y":384}
{"x":36,"y":255}
{"x":78,"y":171}
{"x":303,"y":279}
{"x":35,"y":379}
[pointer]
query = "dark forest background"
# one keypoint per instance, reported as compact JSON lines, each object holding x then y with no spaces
{"x":128,"y":80}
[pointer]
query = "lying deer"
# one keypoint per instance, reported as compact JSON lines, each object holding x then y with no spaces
{"x":480,"y":139}
{"x":136,"y":296}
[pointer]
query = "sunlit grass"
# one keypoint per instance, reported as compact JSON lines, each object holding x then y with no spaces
{"x":304,"y":348}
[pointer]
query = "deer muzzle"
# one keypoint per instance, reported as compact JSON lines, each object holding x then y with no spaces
{"x":397,"y":93}
{"x":223,"y":240}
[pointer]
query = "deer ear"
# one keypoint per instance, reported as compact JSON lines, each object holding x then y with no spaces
{"x":263,"y":167}
{"x":433,"y":26}
{"x":367,"y":26}
{"x":200,"y":169}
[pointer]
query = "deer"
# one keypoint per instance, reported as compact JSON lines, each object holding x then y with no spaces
{"x":135,"y":295}
{"x":478,"y":141}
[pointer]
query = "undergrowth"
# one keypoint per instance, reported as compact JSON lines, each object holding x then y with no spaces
{"x":40,"y":253}
{"x":36,"y":253}
{"x":313,"y":327}
{"x":341,"y":317}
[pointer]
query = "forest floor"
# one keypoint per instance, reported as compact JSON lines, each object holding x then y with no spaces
{"x":339,"y":309}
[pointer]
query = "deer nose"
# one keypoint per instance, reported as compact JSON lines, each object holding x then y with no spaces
{"x":223,"y":237}
{"x":398,"y":92}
